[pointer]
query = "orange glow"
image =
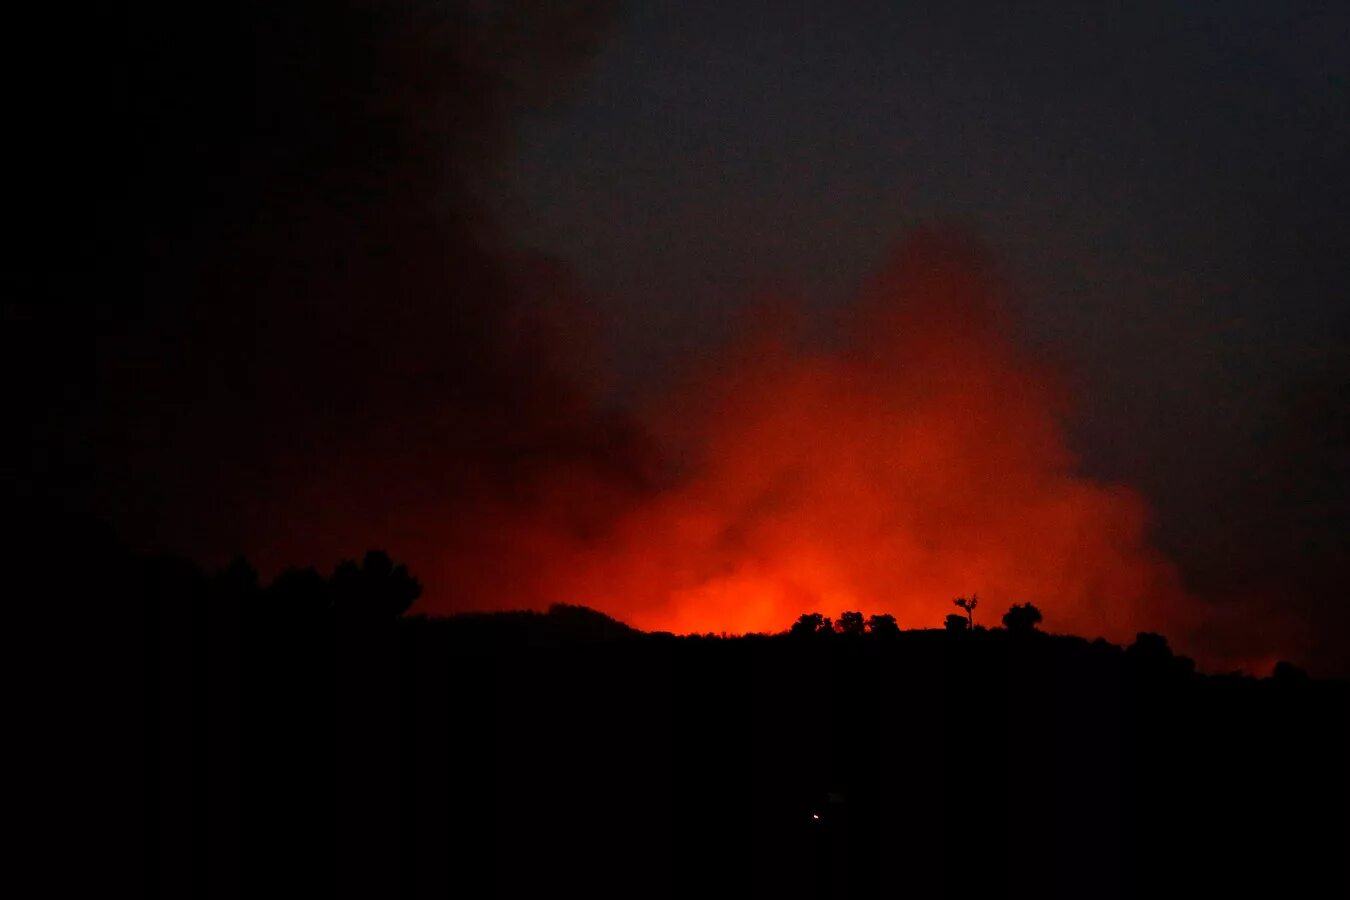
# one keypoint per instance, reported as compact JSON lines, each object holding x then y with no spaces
{"x":921,"y":457}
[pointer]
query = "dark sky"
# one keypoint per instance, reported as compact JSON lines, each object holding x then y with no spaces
{"x":319,"y":277}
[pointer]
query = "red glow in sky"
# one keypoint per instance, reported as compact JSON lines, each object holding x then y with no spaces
{"x":921,"y":457}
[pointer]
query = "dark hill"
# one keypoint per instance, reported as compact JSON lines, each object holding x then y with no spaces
{"x":299,"y":746}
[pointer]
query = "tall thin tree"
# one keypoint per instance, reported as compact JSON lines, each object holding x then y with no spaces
{"x":969,"y":607}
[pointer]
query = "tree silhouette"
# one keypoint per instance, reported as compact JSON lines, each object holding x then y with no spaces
{"x":236,"y":587}
{"x":300,"y":593}
{"x":238,"y":577}
{"x":955,"y":622}
{"x":811,"y":623}
{"x":851,"y":623}
{"x":969,"y":607}
{"x":1021,"y":618}
{"x":1149,"y":647}
{"x":1150,"y":652}
{"x":883,"y":623}
{"x":376,"y":589}
{"x":1288,"y":673}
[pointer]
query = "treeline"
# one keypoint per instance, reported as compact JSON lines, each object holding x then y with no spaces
{"x":308,"y":737}
{"x":376,"y":590}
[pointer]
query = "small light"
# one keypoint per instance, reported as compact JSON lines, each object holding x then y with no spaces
{"x":815,"y":815}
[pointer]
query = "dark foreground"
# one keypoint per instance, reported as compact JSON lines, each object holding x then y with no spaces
{"x":297,"y":751}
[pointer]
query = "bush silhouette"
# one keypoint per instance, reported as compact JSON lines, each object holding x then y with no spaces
{"x":1022,"y":618}
{"x":955,"y":622}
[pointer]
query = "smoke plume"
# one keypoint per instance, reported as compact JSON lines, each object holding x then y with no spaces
{"x":918,"y":456}
{"x":331,"y":346}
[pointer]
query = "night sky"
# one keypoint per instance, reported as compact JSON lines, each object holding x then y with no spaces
{"x":580,"y":306}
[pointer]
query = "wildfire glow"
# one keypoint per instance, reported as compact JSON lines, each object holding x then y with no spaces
{"x":920,"y":457}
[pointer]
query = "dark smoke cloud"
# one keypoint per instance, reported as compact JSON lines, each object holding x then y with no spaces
{"x":1275,"y":558}
{"x":323,"y":337}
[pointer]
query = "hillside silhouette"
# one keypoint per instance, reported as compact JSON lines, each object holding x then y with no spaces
{"x":306,"y":739}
